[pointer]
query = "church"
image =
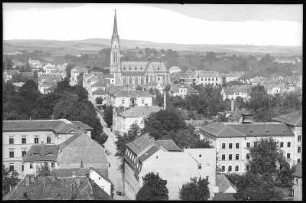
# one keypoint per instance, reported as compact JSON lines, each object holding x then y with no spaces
{"x":135,"y":73}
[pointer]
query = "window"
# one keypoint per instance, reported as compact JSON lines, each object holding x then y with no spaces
{"x":11,"y":140}
{"x":255,"y":144}
{"x":230,"y":145}
{"x":237,"y":145}
{"x":122,"y":101}
{"x":298,"y":160}
{"x":24,"y":152}
{"x":299,"y":138}
{"x":247,"y":167}
{"x":142,"y":101}
{"x":230,"y":156}
{"x":237,"y":168}
{"x":229,"y":168}
{"x":248,"y":156}
{"x":199,"y":166}
{"x":223,"y":168}
{"x":48,"y":140}
{"x":11,"y":154}
{"x":23,"y":140}
{"x":11,"y":168}
{"x":36,"y":140}
{"x":248,"y":145}
{"x":223,"y":157}
{"x":31,"y":165}
{"x":299,"y":150}
{"x":237,"y":156}
{"x":281,"y":144}
{"x":288,"y":144}
{"x":288,"y":155}
{"x":22,"y":167}
{"x":223,"y":145}
{"x":52,"y":164}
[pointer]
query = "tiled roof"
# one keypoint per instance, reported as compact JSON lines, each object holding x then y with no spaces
{"x":246,"y":129}
{"x":99,"y":91}
{"x":148,"y":153}
{"x":99,"y":193}
{"x":223,"y":183}
{"x":207,"y":74}
{"x":41,"y":152}
{"x":82,"y":125}
{"x":224,"y":197}
{"x":82,"y":148}
{"x":294,"y":119}
{"x":69,"y":172}
{"x":141,"y":143}
{"x":100,"y":83}
{"x":136,"y":93}
{"x":58,"y":126}
{"x":298,"y":170}
{"x":140,"y":111}
{"x":169,"y":145}
{"x":112,"y":89}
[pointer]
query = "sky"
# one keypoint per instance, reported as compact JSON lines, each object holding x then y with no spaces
{"x":164,"y":23}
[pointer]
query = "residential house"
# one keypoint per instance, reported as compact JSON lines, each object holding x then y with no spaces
{"x":99,"y":93}
{"x":75,"y":73}
{"x":176,"y":166}
{"x":182,"y":90}
{"x":208,"y":78}
{"x":294,"y":122}
{"x":19,"y":135}
{"x":235,"y":91}
{"x":297,"y":187}
{"x":128,"y":99}
{"x":122,"y":121}
{"x":233,"y":140}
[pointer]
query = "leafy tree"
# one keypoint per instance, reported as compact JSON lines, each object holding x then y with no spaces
{"x":108,"y":115}
{"x":44,"y":170}
{"x":161,"y":123}
{"x":46,"y":103}
{"x":154,"y":188}
{"x":9,"y":180}
{"x":196,"y":190}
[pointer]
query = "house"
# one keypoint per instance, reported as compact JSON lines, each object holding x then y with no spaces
{"x":174,"y":69}
{"x":233,"y":76}
{"x":297,"y":187}
{"x":189,"y":77}
{"x":226,"y":189}
{"x":19,"y":135}
{"x":233,"y":140}
{"x":182,"y":90}
{"x":99,"y":93}
{"x":128,"y":99}
{"x":235,"y":91}
{"x":75,"y":73}
{"x":294,"y":122}
{"x":176,"y":166}
{"x":79,"y":151}
{"x":208,"y":78}
{"x":57,"y":188}
{"x":46,"y":82}
{"x":122,"y":121}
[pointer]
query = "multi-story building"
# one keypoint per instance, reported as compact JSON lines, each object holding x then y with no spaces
{"x":208,"y":78}
{"x":236,"y":91}
{"x":189,"y":77}
{"x":294,"y":122}
{"x":136,"y":115}
{"x":19,"y":135}
{"x":134,"y":73}
{"x":233,"y":141}
{"x":182,"y":90}
{"x":145,"y":155}
{"x":129,"y":99}
{"x":75,"y":73}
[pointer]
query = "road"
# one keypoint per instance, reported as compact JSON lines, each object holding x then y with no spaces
{"x":114,"y":173}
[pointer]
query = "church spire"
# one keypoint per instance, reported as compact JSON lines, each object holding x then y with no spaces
{"x":115,"y":30}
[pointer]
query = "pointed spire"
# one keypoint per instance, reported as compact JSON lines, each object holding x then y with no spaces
{"x":115,"y":30}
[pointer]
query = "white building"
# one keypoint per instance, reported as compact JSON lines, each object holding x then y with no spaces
{"x":182,"y":90}
{"x":208,"y":78}
{"x":236,"y":91}
{"x":136,"y":115}
{"x":128,"y":99}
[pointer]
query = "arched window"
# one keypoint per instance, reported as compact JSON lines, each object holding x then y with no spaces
{"x":236,"y":168}
{"x":229,"y":168}
{"x":223,"y":168}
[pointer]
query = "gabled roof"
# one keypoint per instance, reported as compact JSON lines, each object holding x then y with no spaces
{"x":140,"y":111}
{"x":294,"y":119}
{"x":148,"y":154}
{"x":99,"y":91}
{"x":99,"y":193}
{"x":223,"y":183}
{"x":141,"y":143}
{"x":41,"y":152}
{"x":136,"y":93}
{"x":169,"y":145}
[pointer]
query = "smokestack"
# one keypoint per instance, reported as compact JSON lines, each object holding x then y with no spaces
{"x":232,"y":105}
{"x":165,"y":100}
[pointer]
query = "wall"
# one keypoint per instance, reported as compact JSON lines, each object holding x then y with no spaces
{"x":297,"y":189}
{"x":100,"y":181}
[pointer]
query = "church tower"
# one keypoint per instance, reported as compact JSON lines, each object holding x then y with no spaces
{"x":115,"y":46}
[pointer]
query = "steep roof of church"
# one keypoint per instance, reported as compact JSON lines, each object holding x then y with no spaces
{"x":115,"y":29}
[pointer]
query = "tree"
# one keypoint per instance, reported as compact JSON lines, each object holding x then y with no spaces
{"x":196,"y":190}
{"x":9,"y":180}
{"x":154,"y":188}
{"x":46,"y":103}
{"x":108,"y":115}
{"x":161,"y":123}
{"x":44,"y":170}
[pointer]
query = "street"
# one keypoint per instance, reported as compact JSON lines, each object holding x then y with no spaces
{"x":114,"y":173}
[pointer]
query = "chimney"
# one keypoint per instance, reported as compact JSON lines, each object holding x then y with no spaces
{"x":165,"y":99}
{"x":232,"y":105}
{"x":246,"y":118}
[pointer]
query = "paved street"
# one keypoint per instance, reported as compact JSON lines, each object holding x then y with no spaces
{"x":114,"y":173}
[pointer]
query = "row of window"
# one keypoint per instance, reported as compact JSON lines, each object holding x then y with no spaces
{"x":142,"y":101}
{"x":230,"y":168}
{"x":248,"y":145}
{"x":133,"y":158}
{"x":24,"y":140}
{"x":12,"y":153}
{"x":230,"y":145}
{"x":281,"y":144}
{"x":230,"y":157}
{"x":208,"y":79}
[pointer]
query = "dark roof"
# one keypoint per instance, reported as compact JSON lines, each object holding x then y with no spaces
{"x":103,"y":172}
{"x":68,"y":141}
{"x":298,"y":170}
{"x":99,"y":193}
{"x":239,"y":112}
{"x":136,"y":93}
{"x":141,"y":143}
{"x":224,"y":197}
{"x":168,"y":145}
{"x":148,"y":153}
{"x":69,"y":172}
{"x":140,"y":111}
{"x":294,"y":119}
{"x":41,"y":152}
{"x":82,"y":125}
{"x":58,"y":126}
{"x":99,"y":91}
{"x":223,"y":183}
{"x":247,"y":129}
